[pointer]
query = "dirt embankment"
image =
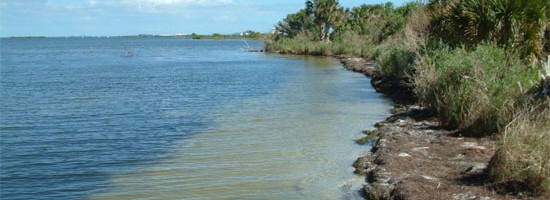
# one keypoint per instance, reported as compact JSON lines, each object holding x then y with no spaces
{"x":412,"y":157}
{"x":400,"y":91}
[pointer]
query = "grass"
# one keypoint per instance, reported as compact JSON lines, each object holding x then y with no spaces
{"x":522,"y":162}
{"x":301,"y":44}
{"x":472,"y":90}
{"x":395,"y":60}
{"x":351,"y":44}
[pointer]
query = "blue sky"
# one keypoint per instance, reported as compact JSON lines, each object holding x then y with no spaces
{"x":130,"y":17}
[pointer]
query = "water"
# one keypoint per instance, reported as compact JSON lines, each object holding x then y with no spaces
{"x":179,"y":118}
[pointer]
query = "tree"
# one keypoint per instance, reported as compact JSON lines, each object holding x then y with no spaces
{"x":295,"y":23}
{"x":328,"y":13}
{"x":358,"y":19}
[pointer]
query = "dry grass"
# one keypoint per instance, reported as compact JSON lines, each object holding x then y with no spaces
{"x":417,"y":26}
{"x":522,"y":162}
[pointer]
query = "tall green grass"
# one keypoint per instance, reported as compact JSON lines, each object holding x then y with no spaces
{"x":350,"y":44}
{"x":396,"y":60}
{"x":473,"y":90}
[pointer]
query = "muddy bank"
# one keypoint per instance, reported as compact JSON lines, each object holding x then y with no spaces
{"x":400,"y":91}
{"x":412,"y":157}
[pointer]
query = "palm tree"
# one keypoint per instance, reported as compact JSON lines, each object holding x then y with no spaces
{"x":517,"y":25}
{"x":309,"y":7}
{"x":327,"y":15}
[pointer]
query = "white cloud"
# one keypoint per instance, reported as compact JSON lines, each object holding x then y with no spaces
{"x":176,"y":2}
{"x":171,"y":6}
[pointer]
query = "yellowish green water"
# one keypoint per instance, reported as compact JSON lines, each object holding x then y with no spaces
{"x":295,"y":143}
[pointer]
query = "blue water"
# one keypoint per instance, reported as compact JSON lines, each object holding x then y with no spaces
{"x":77,"y":114}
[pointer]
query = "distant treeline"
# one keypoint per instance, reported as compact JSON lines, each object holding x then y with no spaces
{"x":243,"y":35}
{"x":27,"y":37}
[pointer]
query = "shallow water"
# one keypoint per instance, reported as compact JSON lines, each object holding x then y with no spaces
{"x":178,"y":119}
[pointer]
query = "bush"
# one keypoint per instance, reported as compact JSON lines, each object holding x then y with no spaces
{"x":393,"y":23}
{"x":396,"y":60}
{"x":397,"y":55}
{"x":351,"y":43}
{"x":522,"y":162}
{"x":472,"y":90}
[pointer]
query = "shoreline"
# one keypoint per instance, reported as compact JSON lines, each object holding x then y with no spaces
{"x":412,"y":157}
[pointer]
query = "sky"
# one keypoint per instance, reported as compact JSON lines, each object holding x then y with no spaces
{"x":132,"y":17}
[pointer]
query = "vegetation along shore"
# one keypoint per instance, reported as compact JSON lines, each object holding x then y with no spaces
{"x":471,"y":82}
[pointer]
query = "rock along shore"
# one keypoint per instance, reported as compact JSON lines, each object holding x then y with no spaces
{"x":412,"y":157}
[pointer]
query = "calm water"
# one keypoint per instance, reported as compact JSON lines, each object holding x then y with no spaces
{"x":178,"y":119}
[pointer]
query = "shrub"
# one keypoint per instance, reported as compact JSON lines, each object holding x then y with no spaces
{"x":417,"y":24}
{"x":472,"y":90}
{"x":393,"y":23}
{"x":397,"y":55}
{"x":396,"y":60}
{"x":351,"y":43}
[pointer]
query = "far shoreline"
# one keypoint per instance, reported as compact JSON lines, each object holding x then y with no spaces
{"x":247,"y":35}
